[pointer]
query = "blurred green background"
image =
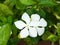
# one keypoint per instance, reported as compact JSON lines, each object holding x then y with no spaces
{"x":12,"y":10}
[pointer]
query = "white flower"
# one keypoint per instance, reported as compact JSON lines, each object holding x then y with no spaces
{"x":32,"y":26}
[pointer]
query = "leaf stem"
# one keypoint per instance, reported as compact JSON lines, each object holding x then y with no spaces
{"x":52,"y":43}
{"x":59,"y":41}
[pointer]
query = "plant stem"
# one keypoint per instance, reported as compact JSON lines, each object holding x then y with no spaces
{"x":52,"y":43}
{"x":59,"y":41}
{"x":58,"y":2}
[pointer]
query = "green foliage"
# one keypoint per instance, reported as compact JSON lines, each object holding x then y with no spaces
{"x":4,"y":10}
{"x":19,"y":5}
{"x":27,"y":2}
{"x":46,"y":35}
{"x":10,"y":3}
{"x":13,"y":41}
{"x":5,"y":34}
{"x":49,"y":36}
{"x":12,"y":10}
{"x":47,"y":2}
{"x":9,"y":19}
{"x":52,"y":38}
{"x":58,"y":29}
{"x":3,"y":20}
{"x":31,"y":41}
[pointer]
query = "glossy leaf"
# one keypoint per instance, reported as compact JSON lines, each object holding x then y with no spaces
{"x":10,"y":3}
{"x":49,"y":36}
{"x":47,"y":2}
{"x":52,"y":38}
{"x":5,"y":34}
{"x":19,"y":5}
{"x":27,"y":2}
{"x":46,"y":35}
{"x":4,"y":10}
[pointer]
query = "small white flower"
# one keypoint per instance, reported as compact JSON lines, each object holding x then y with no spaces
{"x":32,"y":27}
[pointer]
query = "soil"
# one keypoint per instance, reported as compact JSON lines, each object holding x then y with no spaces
{"x":46,"y":43}
{"x":39,"y":43}
{"x":21,"y":42}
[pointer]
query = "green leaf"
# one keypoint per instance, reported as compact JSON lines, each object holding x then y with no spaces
{"x":34,"y":11}
{"x":52,"y":38}
{"x":4,"y":10}
{"x":46,"y":35}
{"x":58,"y":29}
{"x":35,"y":40}
{"x":49,"y":36}
{"x":10,"y":3}
{"x":13,"y":41}
{"x":32,"y":41}
{"x":28,"y":40}
{"x":3,"y":19}
{"x":47,"y":2}
{"x":9,"y":19}
{"x":57,"y":9}
{"x":57,"y":15}
{"x":31,"y":11}
{"x":14,"y":30}
{"x":42,"y":13}
{"x":4,"y":34}
{"x":19,"y":5}
{"x":27,"y":2}
{"x":51,"y":19}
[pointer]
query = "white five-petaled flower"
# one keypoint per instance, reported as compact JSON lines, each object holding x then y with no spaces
{"x":32,"y":27}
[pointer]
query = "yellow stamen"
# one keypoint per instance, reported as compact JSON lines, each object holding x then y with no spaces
{"x":19,"y":36}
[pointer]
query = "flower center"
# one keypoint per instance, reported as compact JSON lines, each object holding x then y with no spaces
{"x":27,"y":26}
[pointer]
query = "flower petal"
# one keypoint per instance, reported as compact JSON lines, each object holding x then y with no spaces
{"x":26,"y":18}
{"x":40,"y":31}
{"x":34,"y":23}
{"x":24,"y":33}
{"x":43,"y":23}
{"x":20,"y":24}
{"x":33,"y":32}
{"x":35,"y":17}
